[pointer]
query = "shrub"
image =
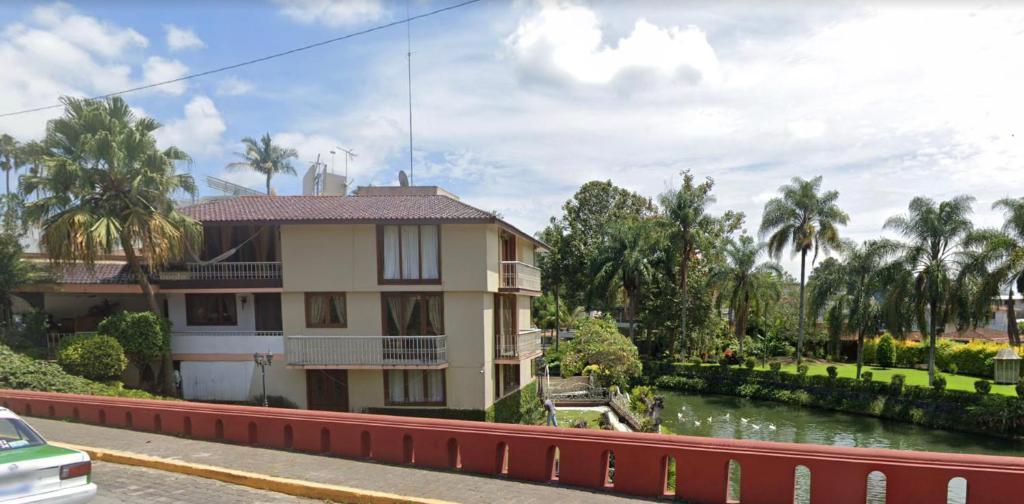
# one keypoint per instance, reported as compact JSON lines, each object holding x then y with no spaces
{"x":98,"y":357}
{"x":1020,"y":390}
{"x":952,"y":368}
{"x":25,"y":373}
{"x":638,"y":398}
{"x":870,"y":351}
{"x":750,"y":363}
{"x":832,"y":372}
{"x":592,"y":369}
{"x":975,"y":358}
{"x":896,"y":382}
{"x":775,"y":366}
{"x":802,"y":369}
{"x":598,"y":341}
{"x":866,"y":376}
{"x":723,"y":362}
{"x":886,"y":353}
{"x":982,"y":386}
{"x":695,"y":361}
{"x":939,"y":383}
{"x":522,"y":407}
{"x":143,"y":336}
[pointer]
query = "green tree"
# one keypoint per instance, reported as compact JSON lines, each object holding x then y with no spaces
{"x":747,"y":282}
{"x":263,"y":156}
{"x":804,"y":219}
{"x":144,"y":336}
{"x":999,"y":259}
{"x":599,"y":342}
{"x":553,"y":265}
{"x":687,"y":210}
{"x":14,"y":273}
{"x":934,"y":233}
{"x":106,"y":187}
{"x":626,"y":260}
{"x":11,"y":158}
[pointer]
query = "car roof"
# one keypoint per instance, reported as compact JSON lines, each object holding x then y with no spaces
{"x":6,"y":413}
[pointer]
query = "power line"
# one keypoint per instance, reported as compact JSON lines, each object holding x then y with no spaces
{"x":408,"y":19}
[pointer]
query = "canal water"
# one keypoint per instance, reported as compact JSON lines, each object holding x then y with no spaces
{"x":739,"y":418}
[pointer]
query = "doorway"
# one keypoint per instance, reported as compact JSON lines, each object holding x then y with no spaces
{"x":327,"y":389}
{"x":268,"y":311}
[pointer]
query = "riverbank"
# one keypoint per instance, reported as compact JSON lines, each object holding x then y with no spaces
{"x":991,"y":415}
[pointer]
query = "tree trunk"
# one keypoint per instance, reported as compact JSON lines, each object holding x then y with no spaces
{"x":741,"y":321}
{"x":860,"y":352}
{"x":632,"y":315}
{"x":800,"y":331}
{"x":684,"y":273}
{"x":1012,"y":333}
{"x":166,"y":377}
{"x":931,"y":340}
{"x":268,"y":184}
{"x":558,"y":318}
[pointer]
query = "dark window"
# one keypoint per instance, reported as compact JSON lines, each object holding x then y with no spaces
{"x":210,"y":310}
{"x":409,"y":254}
{"x":414,"y":387}
{"x":413,"y":314}
{"x":326,"y":309}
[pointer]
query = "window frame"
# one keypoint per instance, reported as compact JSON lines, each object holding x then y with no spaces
{"x":406,"y":296}
{"x":306,"y":307}
{"x":426,"y":389}
{"x":408,"y":281}
{"x":190,"y":299}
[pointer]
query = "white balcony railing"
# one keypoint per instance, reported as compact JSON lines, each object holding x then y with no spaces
{"x":226,"y":271}
{"x":519,"y":275}
{"x":366,"y":351}
{"x":226,"y":342}
{"x":517,"y":346}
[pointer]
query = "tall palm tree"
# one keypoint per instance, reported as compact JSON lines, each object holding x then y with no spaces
{"x":804,"y":219}
{"x":746,"y":280}
{"x":11,"y":159}
{"x":106,"y":187}
{"x":627,"y":259}
{"x":265,"y":157}
{"x":934,"y":233}
{"x":1000,"y":259}
{"x":686,"y":209}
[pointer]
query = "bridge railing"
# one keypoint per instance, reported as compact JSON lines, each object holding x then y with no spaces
{"x":629,"y":463}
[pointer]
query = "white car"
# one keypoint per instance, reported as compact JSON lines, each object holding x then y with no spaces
{"x":32,"y":471}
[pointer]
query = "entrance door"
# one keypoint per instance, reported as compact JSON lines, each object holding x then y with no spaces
{"x":268,"y":311}
{"x":327,"y":389}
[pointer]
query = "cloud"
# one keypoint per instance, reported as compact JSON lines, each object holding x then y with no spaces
{"x":86,"y":32}
{"x":233,"y":86}
{"x":198,"y":132}
{"x":157,"y":69}
{"x":179,"y":38}
{"x":333,"y":13}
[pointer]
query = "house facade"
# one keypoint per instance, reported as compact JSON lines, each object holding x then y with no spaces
{"x":395,"y":297}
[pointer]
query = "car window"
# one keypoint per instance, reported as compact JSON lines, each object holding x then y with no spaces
{"x":15,"y":433}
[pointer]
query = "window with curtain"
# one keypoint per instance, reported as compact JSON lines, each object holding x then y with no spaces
{"x":409,"y":253}
{"x":210,"y":310}
{"x":326,"y":309}
{"x":415,"y":387}
{"x":413,"y":314}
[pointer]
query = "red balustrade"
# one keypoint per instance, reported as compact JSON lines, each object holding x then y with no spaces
{"x":838,"y":475}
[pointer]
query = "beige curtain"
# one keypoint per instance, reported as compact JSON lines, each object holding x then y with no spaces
{"x":435,"y":316}
{"x":395,"y":310}
{"x":396,"y":385}
{"x":392,"y":253}
{"x":410,"y":252}
{"x":417,"y":394}
{"x":339,"y":308}
{"x":317,"y":309}
{"x":431,"y":264}
{"x":435,"y":386}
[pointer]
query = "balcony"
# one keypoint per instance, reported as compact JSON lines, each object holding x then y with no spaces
{"x":517,"y":347}
{"x":226,"y":342}
{"x":223,"y":274}
{"x":518,"y":277}
{"x":366,"y":352}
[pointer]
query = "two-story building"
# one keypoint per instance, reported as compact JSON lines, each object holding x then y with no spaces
{"x":393,"y":297}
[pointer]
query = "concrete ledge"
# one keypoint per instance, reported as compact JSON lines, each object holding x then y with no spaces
{"x":288,"y":486}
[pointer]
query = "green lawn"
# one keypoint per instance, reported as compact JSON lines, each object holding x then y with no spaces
{"x":914,"y":376}
{"x":567,"y":417}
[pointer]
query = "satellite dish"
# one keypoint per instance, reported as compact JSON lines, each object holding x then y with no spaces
{"x":403,"y":179}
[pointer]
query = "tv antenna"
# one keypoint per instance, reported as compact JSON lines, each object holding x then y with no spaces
{"x":350,"y":154}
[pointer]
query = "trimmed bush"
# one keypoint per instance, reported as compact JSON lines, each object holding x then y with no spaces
{"x":952,"y":368}
{"x":750,"y":363}
{"x":886,"y":353}
{"x":522,"y":407}
{"x":939,"y":383}
{"x":775,"y":366}
{"x":695,"y":361}
{"x":598,"y":341}
{"x":982,"y":387}
{"x":1020,"y":390}
{"x":95,"y":357}
{"x":896,"y":382}
{"x":867,"y":376}
{"x":723,"y":362}
{"x":144,"y":336}
{"x":802,"y":369}
{"x":870,"y":351}
{"x":832,"y":371}
{"x":25,"y":373}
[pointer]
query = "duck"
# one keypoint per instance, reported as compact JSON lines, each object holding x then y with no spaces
{"x":771,"y":426}
{"x":679,"y":415}
{"x":743,"y":420}
{"x":696,"y":423}
{"x":727,"y":416}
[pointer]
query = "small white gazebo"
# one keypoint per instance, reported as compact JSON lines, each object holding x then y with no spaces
{"x":1007,"y":366}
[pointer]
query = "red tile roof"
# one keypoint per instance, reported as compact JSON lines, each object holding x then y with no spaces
{"x":314,"y":209}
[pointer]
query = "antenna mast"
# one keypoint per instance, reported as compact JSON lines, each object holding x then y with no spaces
{"x":408,"y":47}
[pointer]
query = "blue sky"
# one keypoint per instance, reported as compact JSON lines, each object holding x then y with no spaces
{"x":518,"y":103}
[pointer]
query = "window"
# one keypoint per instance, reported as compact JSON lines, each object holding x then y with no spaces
{"x":414,"y":387}
{"x":509,"y":379}
{"x":408,"y":254}
{"x":326,"y":309}
{"x":16,"y":434}
{"x":413,"y":314}
{"x":210,"y":310}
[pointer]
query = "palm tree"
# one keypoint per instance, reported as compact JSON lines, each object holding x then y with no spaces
{"x":627,"y":258}
{"x":804,"y":219}
{"x":106,"y":187}
{"x":686,"y":209}
{"x":999,"y":259}
{"x":746,"y":281}
{"x":553,"y":264}
{"x":935,"y":233}
{"x":11,"y":159}
{"x":263,"y":156}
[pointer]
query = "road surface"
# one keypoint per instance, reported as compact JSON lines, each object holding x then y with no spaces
{"x":121,"y":484}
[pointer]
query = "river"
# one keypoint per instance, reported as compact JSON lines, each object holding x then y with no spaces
{"x":738,"y":418}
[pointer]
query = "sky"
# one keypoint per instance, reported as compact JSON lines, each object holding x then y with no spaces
{"x":517,"y":103}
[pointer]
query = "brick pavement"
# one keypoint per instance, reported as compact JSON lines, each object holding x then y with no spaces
{"x":409,"y":481}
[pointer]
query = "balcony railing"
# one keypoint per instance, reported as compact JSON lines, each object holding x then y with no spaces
{"x":226,"y":271}
{"x":519,"y":275}
{"x":517,"y":346}
{"x":366,"y":351}
{"x":226,"y":342}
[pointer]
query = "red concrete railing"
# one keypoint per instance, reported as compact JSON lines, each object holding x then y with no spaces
{"x":838,"y":475}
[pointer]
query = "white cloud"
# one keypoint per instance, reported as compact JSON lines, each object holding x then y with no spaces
{"x":233,"y":86}
{"x":198,"y":132}
{"x":332,"y":13}
{"x":86,"y":32}
{"x":157,"y":69}
{"x":179,"y":38}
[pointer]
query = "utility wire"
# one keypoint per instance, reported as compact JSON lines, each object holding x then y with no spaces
{"x":258,"y":60}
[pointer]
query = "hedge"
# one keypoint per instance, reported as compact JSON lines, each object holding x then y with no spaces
{"x":21,"y":372}
{"x":445,"y":413}
{"x":973,"y":358}
{"x":522,"y":407}
{"x":945,"y":409}
{"x":96,"y":357}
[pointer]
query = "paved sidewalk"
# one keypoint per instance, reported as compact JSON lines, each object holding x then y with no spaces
{"x":122,"y":484}
{"x":409,"y":481}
